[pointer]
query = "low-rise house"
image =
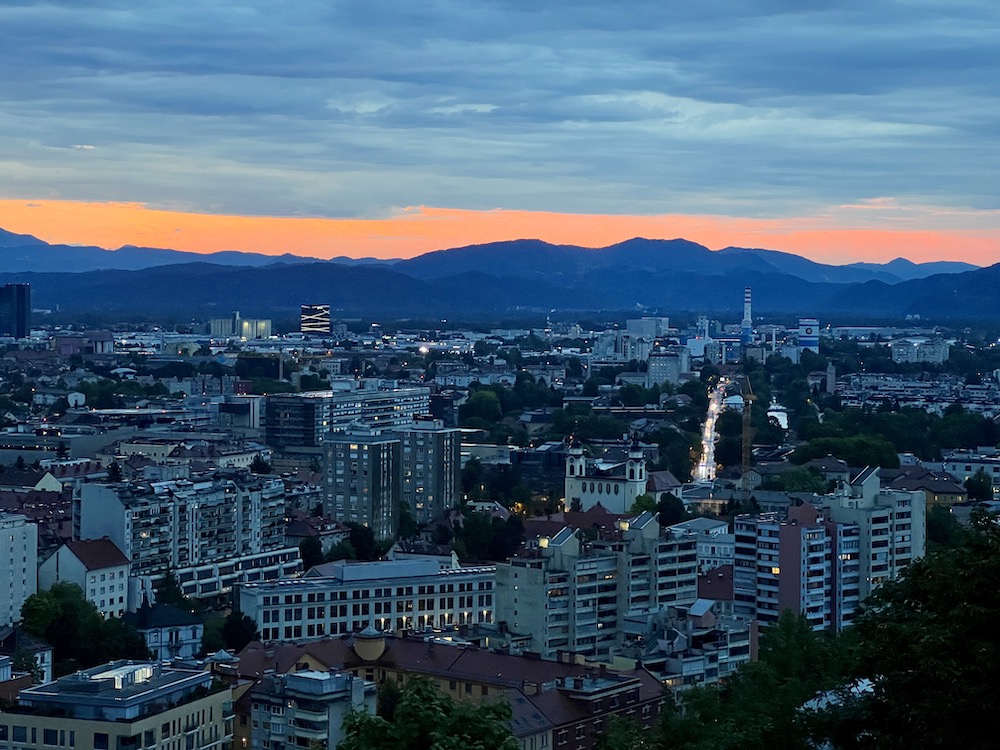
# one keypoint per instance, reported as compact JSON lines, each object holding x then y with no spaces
{"x":98,"y":567}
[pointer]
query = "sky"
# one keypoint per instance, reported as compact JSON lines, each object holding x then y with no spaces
{"x":840,"y":130}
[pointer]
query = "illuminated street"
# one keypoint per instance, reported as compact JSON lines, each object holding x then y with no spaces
{"x":706,"y":466}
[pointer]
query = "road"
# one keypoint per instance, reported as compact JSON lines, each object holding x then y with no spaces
{"x":705,"y":470}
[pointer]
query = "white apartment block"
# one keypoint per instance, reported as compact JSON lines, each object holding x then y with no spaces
{"x":892,"y":526}
{"x":19,"y":561}
{"x":211,"y":531}
{"x":574,"y":595}
{"x":346,"y":597}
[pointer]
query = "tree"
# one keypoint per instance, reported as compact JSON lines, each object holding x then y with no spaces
{"x":311,"y":552}
{"x":928,"y":643}
{"x":114,"y":472}
{"x":427,"y":719}
{"x":363,"y":541}
{"x":24,"y":661}
{"x":80,"y":638}
{"x":979,"y":486}
{"x":238,"y":630}
{"x":168,"y":591}
{"x":642,"y":504}
{"x":671,"y":509}
{"x":408,"y":527}
{"x":259,"y":465}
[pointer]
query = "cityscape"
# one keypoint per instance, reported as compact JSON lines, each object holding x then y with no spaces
{"x":499,"y":375}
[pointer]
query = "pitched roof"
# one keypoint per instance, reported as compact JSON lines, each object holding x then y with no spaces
{"x":97,"y":553}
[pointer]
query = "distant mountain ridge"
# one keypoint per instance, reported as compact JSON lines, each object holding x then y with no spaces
{"x":498,"y":280}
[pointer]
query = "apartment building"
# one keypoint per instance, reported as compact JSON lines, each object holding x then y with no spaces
{"x":296,"y":420}
{"x":122,"y":705}
{"x":211,"y":530}
{"x":98,"y":567}
{"x":800,"y":561}
{"x":892,"y":526}
{"x":591,"y":587}
{"x":19,"y":561}
{"x":346,"y":597}
{"x":305,"y":708}
{"x":363,"y":480}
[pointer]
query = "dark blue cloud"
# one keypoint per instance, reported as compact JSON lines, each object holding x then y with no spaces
{"x":342,"y":108}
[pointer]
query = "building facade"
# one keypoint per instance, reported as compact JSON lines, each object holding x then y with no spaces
{"x":615,"y":485}
{"x":98,"y":567}
{"x":122,"y":705}
{"x":210,"y":531}
{"x":15,"y":310}
{"x":591,"y":588}
{"x":19,"y":561}
{"x":345,"y":597}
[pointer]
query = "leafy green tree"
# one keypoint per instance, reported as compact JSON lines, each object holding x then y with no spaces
{"x":408,"y":527}
{"x":259,"y":465}
{"x":114,"y":472}
{"x":238,"y":630}
{"x":928,"y":642}
{"x":363,"y":541}
{"x":979,"y":486}
{"x":671,"y":509}
{"x":427,"y":719}
{"x":943,"y":530}
{"x":79,"y":636}
{"x":168,"y":591}
{"x":342,"y":550}
{"x":643,"y":503}
{"x":311,"y":552}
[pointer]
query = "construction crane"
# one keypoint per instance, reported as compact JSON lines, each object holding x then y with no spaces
{"x":747,"y":437}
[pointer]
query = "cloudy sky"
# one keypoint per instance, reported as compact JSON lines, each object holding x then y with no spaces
{"x":843,"y":130}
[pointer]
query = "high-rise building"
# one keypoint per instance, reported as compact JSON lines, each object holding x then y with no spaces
{"x":800,"y":561}
{"x":19,"y":561}
{"x":15,"y":310}
{"x":591,"y":587}
{"x":304,"y":419}
{"x":315,"y":319}
{"x":431,"y":468}
{"x":746,"y":327}
{"x":363,"y":480}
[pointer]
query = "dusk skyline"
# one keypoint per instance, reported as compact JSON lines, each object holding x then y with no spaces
{"x":852,"y":132}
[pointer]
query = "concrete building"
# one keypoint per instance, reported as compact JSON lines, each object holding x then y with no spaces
{"x":304,"y":419}
{"x":935,"y":351}
{"x":315,"y":320}
{"x":170,"y":632}
{"x":211,"y":531}
{"x":15,"y":310}
{"x":301,"y":708}
{"x":98,"y":567}
{"x":716,"y":544}
{"x":431,"y":466}
{"x":667,"y":365}
{"x":345,"y":597}
{"x":799,"y":561}
{"x":122,"y":705}
{"x":615,"y":485}
{"x":364,"y":480}
{"x":892,"y":526}
{"x":236,"y":326}
{"x":590,"y":588}
{"x":560,"y":705}
{"x":19,"y":561}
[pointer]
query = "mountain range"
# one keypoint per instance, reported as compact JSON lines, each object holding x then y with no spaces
{"x":502,"y":279}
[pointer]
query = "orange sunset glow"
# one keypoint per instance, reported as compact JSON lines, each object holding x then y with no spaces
{"x":843,"y":235}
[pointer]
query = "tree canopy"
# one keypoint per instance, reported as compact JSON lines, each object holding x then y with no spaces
{"x":424,"y":718}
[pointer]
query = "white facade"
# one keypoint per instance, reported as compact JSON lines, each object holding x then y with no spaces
{"x":19,"y":562}
{"x":614,"y":486}
{"x":106,"y":586}
{"x":346,"y":597}
{"x":211,"y":532}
